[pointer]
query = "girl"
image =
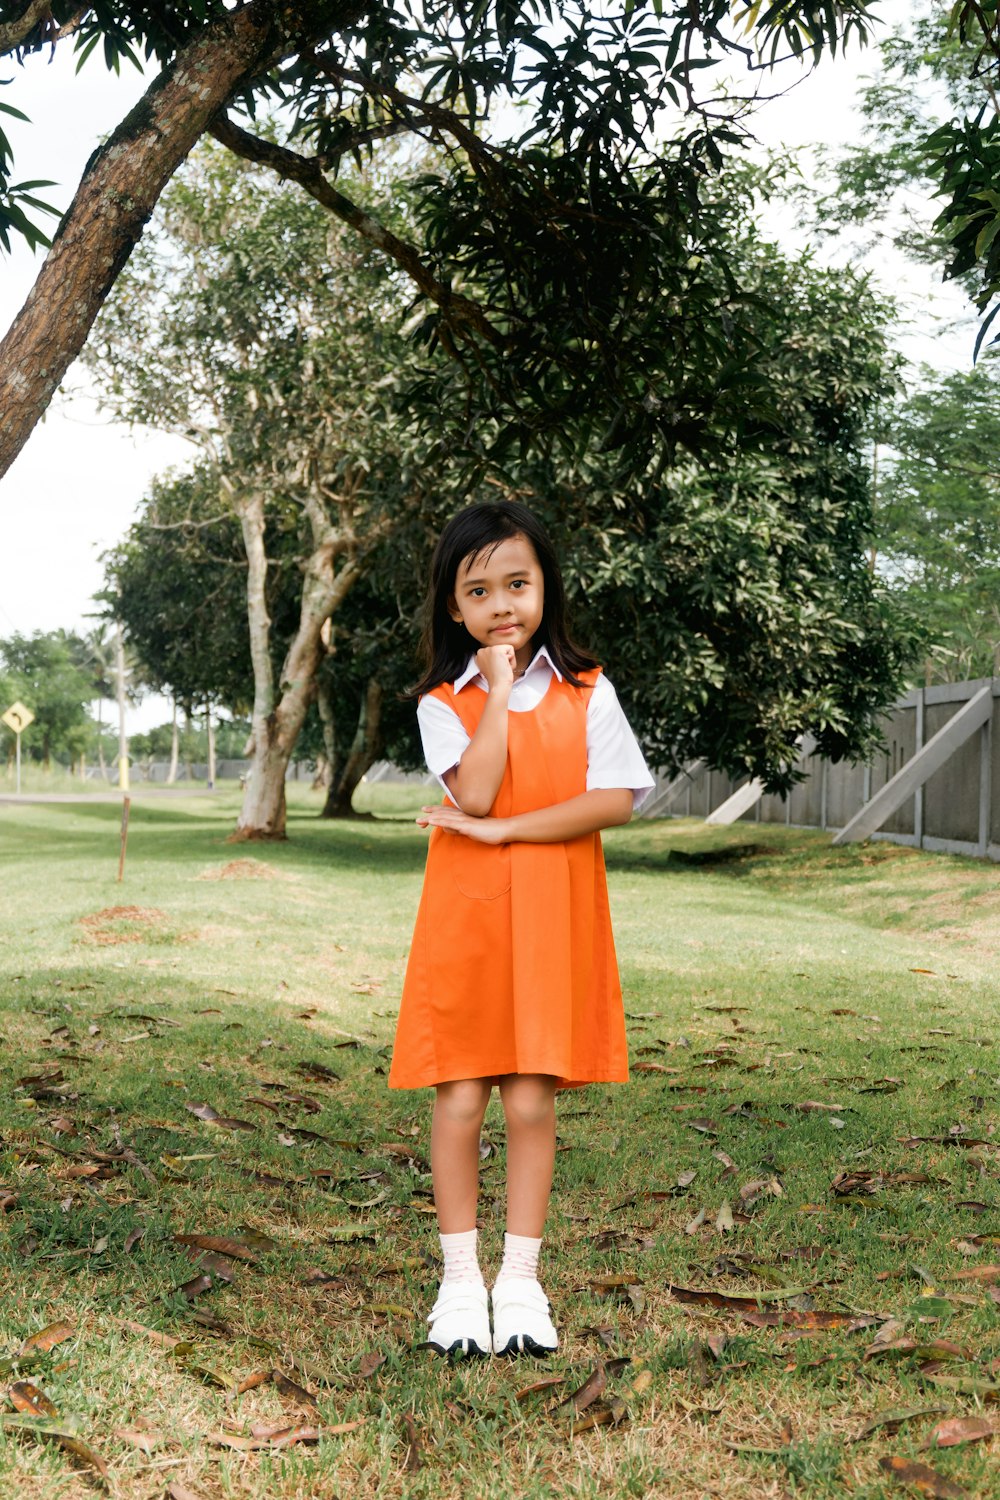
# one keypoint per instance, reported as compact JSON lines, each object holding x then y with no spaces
{"x":512,"y":978}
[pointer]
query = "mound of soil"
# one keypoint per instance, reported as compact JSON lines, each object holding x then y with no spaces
{"x":121,"y":924}
{"x":241,"y":869}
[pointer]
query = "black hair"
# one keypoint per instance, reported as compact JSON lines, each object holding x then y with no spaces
{"x":480,"y":529}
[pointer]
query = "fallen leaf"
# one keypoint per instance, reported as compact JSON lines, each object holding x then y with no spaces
{"x":219,"y":1243}
{"x":892,"y":1420}
{"x":412,"y":1461}
{"x":724,"y":1222}
{"x":919,"y":1476}
{"x":545,"y":1384}
{"x":296,"y":1392}
{"x":28,"y":1398}
{"x":977,"y":1273}
{"x":203,"y":1111}
{"x":196,"y":1287}
{"x":587,"y":1393}
{"x":611,"y":1415}
{"x":164,"y":1340}
{"x":961,"y":1430}
{"x":371,"y":1361}
{"x":46,"y":1338}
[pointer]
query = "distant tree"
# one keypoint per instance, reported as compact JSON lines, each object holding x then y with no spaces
{"x":44,"y":671}
{"x":938,"y":517}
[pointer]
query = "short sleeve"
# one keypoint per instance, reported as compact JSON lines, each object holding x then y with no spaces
{"x":613,"y":755}
{"x":443,"y":737}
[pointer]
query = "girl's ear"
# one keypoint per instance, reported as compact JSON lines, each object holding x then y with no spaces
{"x":453,"y":610}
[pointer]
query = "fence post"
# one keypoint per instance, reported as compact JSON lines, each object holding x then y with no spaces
{"x":985,"y":758}
{"x":918,"y":796}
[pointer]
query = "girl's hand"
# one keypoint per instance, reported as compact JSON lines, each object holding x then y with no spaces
{"x":497,"y":665}
{"x":483,"y":830}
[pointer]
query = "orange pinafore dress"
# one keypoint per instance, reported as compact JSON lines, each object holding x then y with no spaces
{"x":512,"y":967}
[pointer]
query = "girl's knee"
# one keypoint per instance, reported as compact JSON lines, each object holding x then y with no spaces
{"x":528,"y":1099}
{"x":464,"y":1101}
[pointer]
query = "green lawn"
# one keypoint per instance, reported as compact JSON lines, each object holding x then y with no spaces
{"x":799,"y":1017}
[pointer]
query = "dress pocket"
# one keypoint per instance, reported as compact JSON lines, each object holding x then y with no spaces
{"x":480,"y":871}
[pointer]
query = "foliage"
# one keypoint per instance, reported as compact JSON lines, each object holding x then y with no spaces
{"x":565,"y":240}
{"x":934,"y":129}
{"x":50,"y":672}
{"x":730,"y":597}
{"x":938,"y":518}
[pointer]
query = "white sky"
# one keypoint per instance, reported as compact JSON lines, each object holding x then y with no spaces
{"x":76,"y":486}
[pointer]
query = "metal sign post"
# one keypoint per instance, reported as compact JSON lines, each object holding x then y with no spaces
{"x":17,"y":718}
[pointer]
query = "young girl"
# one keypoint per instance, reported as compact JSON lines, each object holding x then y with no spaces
{"x":512,"y":978}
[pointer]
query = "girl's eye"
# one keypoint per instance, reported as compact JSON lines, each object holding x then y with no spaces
{"x":478,"y":593}
{"x":519,"y":583}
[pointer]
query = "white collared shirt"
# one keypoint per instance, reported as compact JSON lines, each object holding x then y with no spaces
{"x":613,"y":755}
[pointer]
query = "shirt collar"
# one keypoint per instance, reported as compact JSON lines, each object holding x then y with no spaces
{"x":472,"y":671}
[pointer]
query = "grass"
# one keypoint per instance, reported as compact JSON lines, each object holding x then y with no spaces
{"x":763,"y":971}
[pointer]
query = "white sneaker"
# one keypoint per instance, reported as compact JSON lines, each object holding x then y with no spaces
{"x":460,"y":1319}
{"x":522,"y":1322}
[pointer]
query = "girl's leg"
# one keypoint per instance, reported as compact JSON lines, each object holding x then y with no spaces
{"x":459,"y":1320}
{"x":529,"y":1104}
{"x":522,"y":1321}
{"x":459,"y":1108}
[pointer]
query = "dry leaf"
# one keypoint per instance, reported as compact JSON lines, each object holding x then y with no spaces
{"x":219,"y":1243}
{"x":545,"y":1384}
{"x":961,"y":1430}
{"x":295,"y":1391}
{"x":891,"y":1420}
{"x":928,"y":1481}
{"x":587,"y":1393}
{"x":28,"y":1398}
{"x":412,"y":1461}
{"x":46,"y":1338}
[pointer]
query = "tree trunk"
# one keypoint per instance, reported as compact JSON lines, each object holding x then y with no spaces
{"x":188,"y":730}
{"x":175,"y":747}
{"x":276,"y":725}
{"x":117,"y":194}
{"x":210,"y":727}
{"x":363,"y":754}
{"x":100,"y":740}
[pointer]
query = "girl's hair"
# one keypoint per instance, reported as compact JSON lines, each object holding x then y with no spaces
{"x":479,"y":529}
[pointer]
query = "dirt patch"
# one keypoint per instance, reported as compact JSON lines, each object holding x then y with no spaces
{"x":123,"y":924}
{"x":242,"y":869}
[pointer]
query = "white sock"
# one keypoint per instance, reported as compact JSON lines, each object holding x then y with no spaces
{"x":460,"y":1260}
{"x":520,"y":1256}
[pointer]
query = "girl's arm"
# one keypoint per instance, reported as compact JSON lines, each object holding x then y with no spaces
{"x":587,"y":813}
{"x":475,"y":781}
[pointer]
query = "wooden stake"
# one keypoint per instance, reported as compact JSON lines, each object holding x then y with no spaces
{"x":126,"y":804}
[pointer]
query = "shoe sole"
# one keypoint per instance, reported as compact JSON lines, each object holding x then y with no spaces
{"x":523,"y":1343}
{"x":461,"y":1349}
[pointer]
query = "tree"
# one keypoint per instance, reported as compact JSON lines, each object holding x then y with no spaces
{"x":939,"y":517}
{"x":732,"y":595}
{"x":44,"y":670}
{"x":567,"y":213}
{"x":256,"y":329}
{"x":99,"y":658}
{"x":933,"y":133}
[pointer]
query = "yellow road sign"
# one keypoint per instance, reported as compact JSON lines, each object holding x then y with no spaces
{"x":18,"y":717}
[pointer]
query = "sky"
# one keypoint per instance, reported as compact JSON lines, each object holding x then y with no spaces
{"x":78,"y":482}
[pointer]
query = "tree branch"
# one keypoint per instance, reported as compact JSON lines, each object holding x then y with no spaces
{"x":13,"y":33}
{"x":459,"y":311}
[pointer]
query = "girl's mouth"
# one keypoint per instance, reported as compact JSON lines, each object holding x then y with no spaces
{"x":502,"y":629}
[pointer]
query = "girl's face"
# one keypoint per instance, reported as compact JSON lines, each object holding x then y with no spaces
{"x":500,"y":599}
